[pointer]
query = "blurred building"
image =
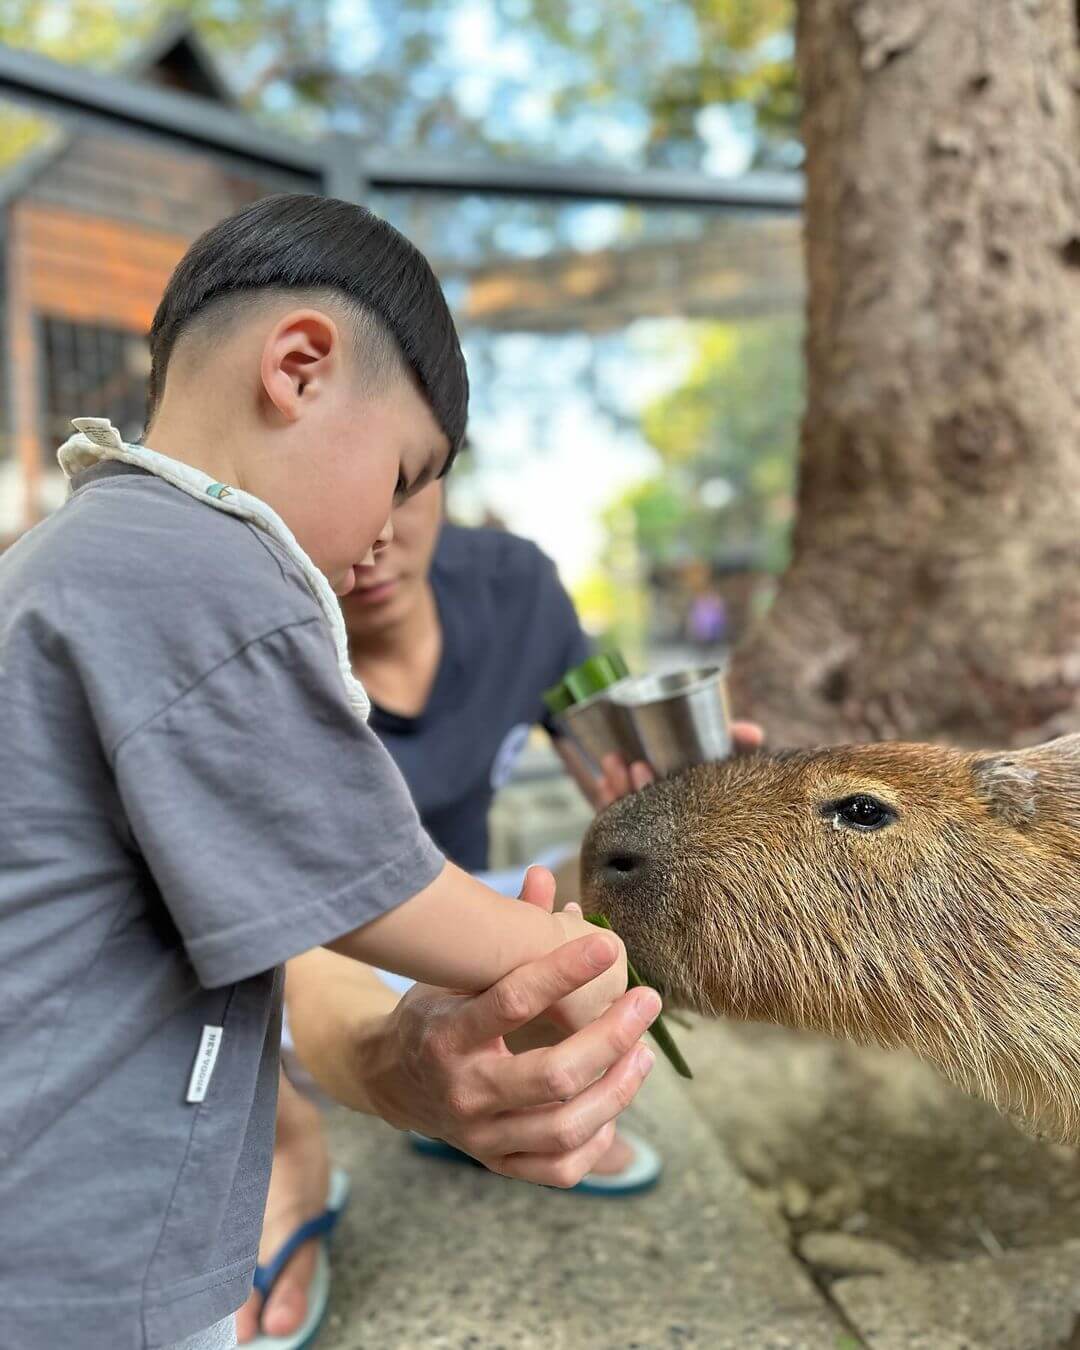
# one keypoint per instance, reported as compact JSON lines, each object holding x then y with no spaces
{"x":580,"y":293}
{"x":94,"y":223}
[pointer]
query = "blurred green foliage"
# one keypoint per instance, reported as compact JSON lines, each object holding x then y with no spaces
{"x":726,"y":437}
{"x":515,"y":77}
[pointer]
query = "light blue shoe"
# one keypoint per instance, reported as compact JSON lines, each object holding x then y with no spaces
{"x":639,"y":1175}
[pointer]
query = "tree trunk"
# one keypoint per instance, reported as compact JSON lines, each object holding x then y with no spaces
{"x":934,"y":590}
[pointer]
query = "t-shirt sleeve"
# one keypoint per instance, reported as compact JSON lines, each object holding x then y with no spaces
{"x":270,"y":817}
{"x":564,"y":635}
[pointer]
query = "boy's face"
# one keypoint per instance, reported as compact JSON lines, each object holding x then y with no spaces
{"x":371,"y":455}
{"x":347,"y":457}
{"x":387,"y":592}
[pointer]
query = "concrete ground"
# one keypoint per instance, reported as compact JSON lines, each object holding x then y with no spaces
{"x":930,"y":1221}
{"x":439,"y":1256}
{"x":816,"y":1197}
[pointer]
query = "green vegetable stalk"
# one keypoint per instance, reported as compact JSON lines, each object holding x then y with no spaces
{"x":664,"y":1038}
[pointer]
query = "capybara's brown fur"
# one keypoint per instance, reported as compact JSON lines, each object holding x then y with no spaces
{"x":904,"y":894}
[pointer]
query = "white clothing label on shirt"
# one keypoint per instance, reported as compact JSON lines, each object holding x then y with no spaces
{"x":205,"y":1060}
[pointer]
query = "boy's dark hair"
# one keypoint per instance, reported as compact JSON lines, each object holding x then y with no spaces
{"x":301,"y":242}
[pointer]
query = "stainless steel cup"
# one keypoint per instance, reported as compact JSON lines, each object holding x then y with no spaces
{"x":601,"y":727}
{"x":681,"y":718}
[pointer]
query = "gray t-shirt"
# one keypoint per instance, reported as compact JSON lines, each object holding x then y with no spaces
{"x":186,"y":800}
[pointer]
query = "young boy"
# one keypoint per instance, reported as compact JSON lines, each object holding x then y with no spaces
{"x":188,"y":795}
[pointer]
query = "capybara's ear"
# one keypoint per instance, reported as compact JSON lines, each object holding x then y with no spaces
{"x":1009,"y":787}
{"x":1067,"y":747}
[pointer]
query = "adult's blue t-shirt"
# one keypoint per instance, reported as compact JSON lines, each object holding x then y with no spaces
{"x":509,"y":632}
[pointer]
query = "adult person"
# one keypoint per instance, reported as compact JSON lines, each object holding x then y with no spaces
{"x":455,"y":634}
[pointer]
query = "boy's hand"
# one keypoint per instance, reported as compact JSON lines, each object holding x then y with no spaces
{"x":591,"y":1001}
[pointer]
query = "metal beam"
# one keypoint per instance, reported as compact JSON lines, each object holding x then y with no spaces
{"x":652,"y":187}
{"x":78,"y":95}
{"x":74,"y":93}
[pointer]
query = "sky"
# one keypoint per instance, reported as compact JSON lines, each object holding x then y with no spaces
{"x":552,"y":460}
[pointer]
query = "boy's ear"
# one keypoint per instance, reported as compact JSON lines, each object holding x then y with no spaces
{"x":297,"y":355}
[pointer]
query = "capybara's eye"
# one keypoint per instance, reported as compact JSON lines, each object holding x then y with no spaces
{"x":861,"y":813}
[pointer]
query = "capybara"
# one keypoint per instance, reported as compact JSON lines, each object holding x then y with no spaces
{"x":910,"y":895}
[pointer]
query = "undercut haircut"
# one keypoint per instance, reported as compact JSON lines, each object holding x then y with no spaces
{"x":328,"y":249}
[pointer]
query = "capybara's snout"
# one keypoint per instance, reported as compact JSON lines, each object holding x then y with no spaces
{"x":615,"y":869}
{"x":617,"y":856}
{"x":626,"y":875}
{"x":906,"y":894}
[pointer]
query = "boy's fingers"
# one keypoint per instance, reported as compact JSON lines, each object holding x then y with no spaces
{"x":641,"y":775}
{"x":531,"y":990}
{"x":538,"y":889}
{"x":564,"y":1127}
{"x":560,"y":1072}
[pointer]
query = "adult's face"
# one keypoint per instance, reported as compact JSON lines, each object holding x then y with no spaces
{"x":385,"y":594}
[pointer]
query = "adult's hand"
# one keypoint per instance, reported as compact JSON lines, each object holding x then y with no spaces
{"x":438,"y":1062}
{"x":546,"y":1115}
{"x":618,"y":778}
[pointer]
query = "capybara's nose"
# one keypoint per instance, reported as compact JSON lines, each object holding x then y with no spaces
{"x":617,"y":858}
{"x":616,"y":875}
{"x":620,"y":864}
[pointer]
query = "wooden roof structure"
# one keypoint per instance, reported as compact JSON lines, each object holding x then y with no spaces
{"x":744,"y":269}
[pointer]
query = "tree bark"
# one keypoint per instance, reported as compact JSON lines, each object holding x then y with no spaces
{"x":934,"y":588}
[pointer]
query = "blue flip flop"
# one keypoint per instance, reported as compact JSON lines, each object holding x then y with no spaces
{"x":639,"y":1175}
{"x":337,"y":1196}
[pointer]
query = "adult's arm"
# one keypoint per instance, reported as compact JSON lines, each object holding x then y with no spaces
{"x":437,"y":1061}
